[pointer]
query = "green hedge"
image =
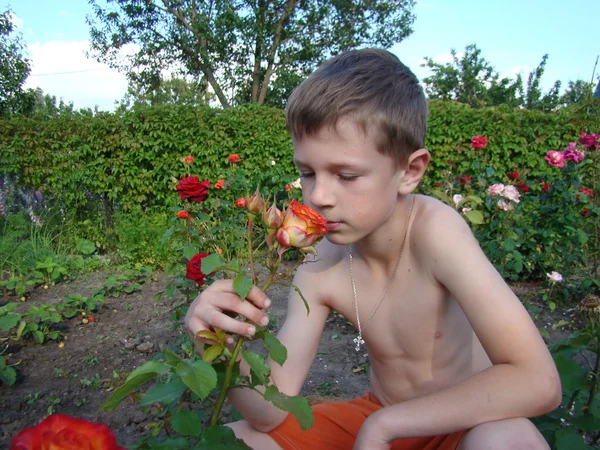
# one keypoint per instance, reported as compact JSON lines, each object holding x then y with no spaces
{"x":130,"y":158}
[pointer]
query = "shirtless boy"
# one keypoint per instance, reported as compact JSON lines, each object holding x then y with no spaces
{"x":456,"y":361}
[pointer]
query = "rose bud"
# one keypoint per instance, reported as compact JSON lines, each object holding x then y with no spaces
{"x":255,"y":204}
{"x":272,"y":217}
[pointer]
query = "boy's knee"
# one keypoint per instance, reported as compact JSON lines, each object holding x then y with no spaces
{"x":518,"y":433}
{"x":252,"y":437}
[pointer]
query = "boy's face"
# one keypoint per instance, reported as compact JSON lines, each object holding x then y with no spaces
{"x":347,"y":181}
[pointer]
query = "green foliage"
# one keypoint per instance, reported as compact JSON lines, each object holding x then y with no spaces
{"x":579,"y":413}
{"x":14,"y":67}
{"x":239,"y":47}
{"x":472,"y":80}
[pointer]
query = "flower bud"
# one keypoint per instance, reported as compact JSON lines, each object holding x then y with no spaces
{"x":272,"y":217}
{"x":255,"y":204}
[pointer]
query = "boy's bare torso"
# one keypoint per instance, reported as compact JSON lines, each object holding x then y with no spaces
{"x":419,"y":341}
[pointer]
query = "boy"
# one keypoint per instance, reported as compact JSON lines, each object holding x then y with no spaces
{"x":456,"y":361}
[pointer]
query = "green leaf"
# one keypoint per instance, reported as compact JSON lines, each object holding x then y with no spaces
{"x":297,"y":405}
{"x":258,"y":366}
{"x":199,"y":376}
{"x":569,"y":438}
{"x":587,"y":422}
{"x":167,"y":235}
{"x":213,"y":352}
{"x":186,"y":422}
{"x":131,"y":384}
{"x":164,"y":393}
{"x":508,"y":245}
{"x":8,"y":376}
{"x":153,"y":367}
{"x":191,"y":250}
{"x":220,"y":438}
{"x":299,"y":292}
{"x":38,"y":336}
{"x":572,"y":376}
{"x":242,"y":285}
{"x":277,"y":350}
{"x":475,"y":217}
{"x":212,"y":263}
{"x":86,"y":246}
{"x":9,"y":321}
{"x":171,"y":358}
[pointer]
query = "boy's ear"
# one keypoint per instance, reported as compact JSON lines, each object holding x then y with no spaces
{"x":414,"y":171}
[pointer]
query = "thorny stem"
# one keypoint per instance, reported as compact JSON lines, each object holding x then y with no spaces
{"x":214,"y":418}
{"x":250,"y":222}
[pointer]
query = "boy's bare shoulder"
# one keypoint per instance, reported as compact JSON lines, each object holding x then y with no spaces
{"x":436,"y":223}
{"x":327,"y":259}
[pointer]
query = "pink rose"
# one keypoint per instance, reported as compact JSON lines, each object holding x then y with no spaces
{"x":589,"y":140}
{"x":511,"y":193}
{"x":504,"y":205}
{"x":555,"y":158}
{"x":495,"y":189}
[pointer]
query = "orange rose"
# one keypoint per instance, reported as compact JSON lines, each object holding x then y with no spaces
{"x":219,"y":184}
{"x":60,"y":432}
{"x":241,"y":202}
{"x":301,"y":226}
{"x":233,"y":158}
{"x":183,"y":214}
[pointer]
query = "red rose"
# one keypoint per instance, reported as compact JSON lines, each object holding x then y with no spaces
{"x":59,"y":431}
{"x":288,"y":188}
{"x":545,"y":186}
{"x":463,"y":179}
{"x":514,"y":175}
{"x":193,"y":269}
{"x":478,"y":142}
{"x":241,"y":202}
{"x":587,"y":191}
{"x":189,"y":159}
{"x":522,"y":186}
{"x":219,"y":184}
{"x":183,"y":215}
{"x":190,"y":188}
{"x":585,"y":212}
{"x":233,"y":158}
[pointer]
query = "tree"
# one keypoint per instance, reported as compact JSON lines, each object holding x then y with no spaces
{"x":165,"y":91}
{"x":473,"y":80}
{"x":577,"y":91}
{"x":14,"y":67}
{"x":242,"y":45}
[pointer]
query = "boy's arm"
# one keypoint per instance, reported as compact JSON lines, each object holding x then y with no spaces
{"x":301,"y":335}
{"x":523,"y":381}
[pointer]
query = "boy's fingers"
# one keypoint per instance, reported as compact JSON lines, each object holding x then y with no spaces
{"x":258,"y":297}
{"x":244,"y":308}
{"x":234,"y":326}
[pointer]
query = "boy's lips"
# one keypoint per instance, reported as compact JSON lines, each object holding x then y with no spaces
{"x":330,"y":225}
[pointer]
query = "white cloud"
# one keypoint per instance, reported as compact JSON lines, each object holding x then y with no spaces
{"x":60,"y":68}
{"x":17,"y":21}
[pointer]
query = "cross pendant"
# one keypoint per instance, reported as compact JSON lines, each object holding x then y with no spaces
{"x":358,"y":340}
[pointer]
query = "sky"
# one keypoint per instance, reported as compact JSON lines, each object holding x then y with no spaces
{"x":512,"y":34}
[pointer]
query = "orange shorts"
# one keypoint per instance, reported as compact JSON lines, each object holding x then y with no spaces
{"x":337,"y":424}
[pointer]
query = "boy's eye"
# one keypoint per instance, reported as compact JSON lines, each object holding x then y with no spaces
{"x":306,"y":174}
{"x":347,"y":177}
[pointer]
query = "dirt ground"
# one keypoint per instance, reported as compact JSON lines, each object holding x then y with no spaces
{"x":130,"y":330}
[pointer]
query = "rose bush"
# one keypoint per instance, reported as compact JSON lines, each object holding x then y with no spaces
{"x":61,"y":432}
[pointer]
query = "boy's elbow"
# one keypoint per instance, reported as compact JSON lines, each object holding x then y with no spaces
{"x":264,"y":426}
{"x":549,"y":395}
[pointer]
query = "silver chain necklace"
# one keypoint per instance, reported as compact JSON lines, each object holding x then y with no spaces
{"x":359,"y":339}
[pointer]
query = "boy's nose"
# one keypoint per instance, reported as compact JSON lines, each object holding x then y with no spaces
{"x":321,"y":195}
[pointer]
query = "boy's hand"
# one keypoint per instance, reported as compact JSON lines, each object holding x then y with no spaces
{"x":214,"y":307}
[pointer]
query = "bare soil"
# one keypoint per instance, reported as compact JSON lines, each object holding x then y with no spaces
{"x":129,"y":330}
